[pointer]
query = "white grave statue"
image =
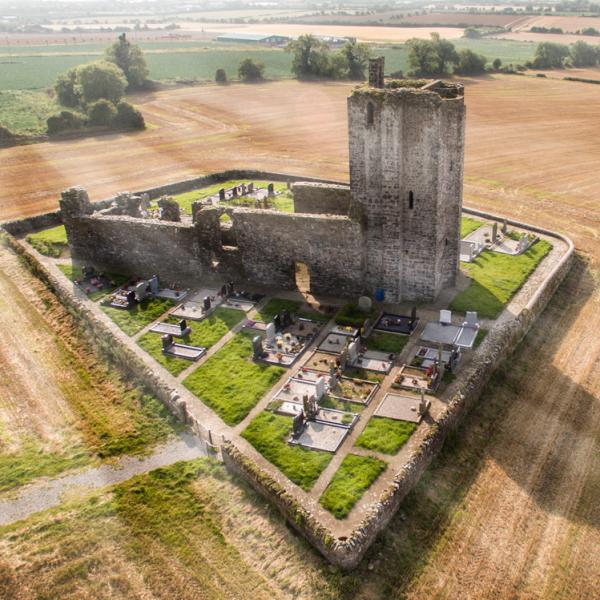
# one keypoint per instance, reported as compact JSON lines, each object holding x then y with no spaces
{"x":365,"y":304}
{"x":154,"y":284}
{"x":352,"y":352}
{"x":141,"y":289}
{"x":446,"y":317}
{"x":320,"y":388}
{"x":270,"y":334}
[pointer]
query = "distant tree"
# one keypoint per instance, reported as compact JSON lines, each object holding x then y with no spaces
{"x":129,"y":117}
{"x":64,"y":121}
{"x":66,"y":89}
{"x":311,"y":57}
{"x":101,"y":112}
{"x":250,"y":70}
{"x":100,"y":79}
{"x":130,"y":59}
{"x":422,"y":57}
{"x":472,"y":33}
{"x":357,"y":58}
{"x":583,"y":55}
{"x":549,"y":55}
{"x":470,"y":63}
{"x":590,"y":31}
{"x":446,"y":52}
{"x":220,"y":76}
{"x":497,"y":63}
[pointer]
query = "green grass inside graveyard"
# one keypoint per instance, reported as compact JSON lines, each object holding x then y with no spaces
{"x":327,"y":401}
{"x":352,"y":479}
{"x":49,"y":242}
{"x":205,"y":333}
{"x":385,"y":435}
{"x":387,"y":342}
{"x":468,"y":225}
{"x":364,"y":374}
{"x":496,"y":278}
{"x":269,"y":434}
{"x":275,"y":305}
{"x":134,"y":319}
{"x":186,"y":199}
{"x":230,"y":382}
{"x":352,"y":315}
{"x":73,"y":272}
{"x":480,"y":337}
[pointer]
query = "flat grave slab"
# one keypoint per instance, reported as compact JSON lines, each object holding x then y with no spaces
{"x":212,"y":293}
{"x":413,"y":378}
{"x":438,"y":333}
{"x":400,"y":324}
{"x":170,"y":329}
{"x":276,"y":357}
{"x":345,"y":330}
{"x":308,"y":375}
{"x":373,"y":360}
{"x":193,"y":311}
{"x":328,"y":416}
{"x":294,"y":389}
{"x":255,"y":325}
{"x":185,"y":351}
{"x":304,"y":328}
{"x":430,"y":355}
{"x":245,"y":305}
{"x":401,"y":407}
{"x":466,"y":337}
{"x":320,"y":436}
{"x":320,"y":361}
{"x":171,"y":294}
{"x":334,"y":343}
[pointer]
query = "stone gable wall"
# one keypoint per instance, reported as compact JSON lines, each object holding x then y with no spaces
{"x":320,"y":199}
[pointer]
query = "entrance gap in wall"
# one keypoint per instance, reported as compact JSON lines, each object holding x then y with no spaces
{"x":302,"y":274}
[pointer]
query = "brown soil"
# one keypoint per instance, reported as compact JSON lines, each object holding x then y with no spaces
{"x":511,"y":507}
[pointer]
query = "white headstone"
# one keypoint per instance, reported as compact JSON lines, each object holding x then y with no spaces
{"x":446,"y":317}
{"x":471,"y":319}
{"x":320,"y":388}
{"x":141,"y":290}
{"x":365,"y":304}
{"x":353,"y":352}
{"x":270,"y":333}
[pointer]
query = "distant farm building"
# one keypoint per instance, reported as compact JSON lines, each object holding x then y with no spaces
{"x":253,"y":38}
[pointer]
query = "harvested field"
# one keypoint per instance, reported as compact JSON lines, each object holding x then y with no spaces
{"x":567,"y":24}
{"x":557,"y":38}
{"x":510,"y":508}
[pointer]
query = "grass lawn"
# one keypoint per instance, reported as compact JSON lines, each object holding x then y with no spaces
{"x":350,"y":314}
{"x":496,"y":278}
{"x":185,"y":200}
{"x":480,"y":337}
{"x":276,"y":305}
{"x":206,"y":333}
{"x":25,"y":112}
{"x":468,"y":225}
{"x":385,"y":435}
{"x":352,"y":479}
{"x":132,"y":320}
{"x":49,"y":242}
{"x":269,"y":433}
{"x":358,"y":373}
{"x":73,"y":272}
{"x":230,"y":382}
{"x":327,"y":401}
{"x":387,"y":342}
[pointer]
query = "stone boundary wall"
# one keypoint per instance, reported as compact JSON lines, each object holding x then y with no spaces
{"x":318,"y":198}
{"x":108,"y":343}
{"x":347,"y":552}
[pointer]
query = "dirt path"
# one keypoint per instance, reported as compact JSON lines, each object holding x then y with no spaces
{"x":47,"y":494}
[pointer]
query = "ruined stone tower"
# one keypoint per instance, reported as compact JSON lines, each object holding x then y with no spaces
{"x":406,"y":175}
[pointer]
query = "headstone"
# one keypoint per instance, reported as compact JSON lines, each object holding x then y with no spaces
{"x":320,"y":388}
{"x":365,"y":328}
{"x":277,"y":322}
{"x":231,"y":287}
{"x":145,"y":201}
{"x":88,"y":272}
{"x":169,"y":209}
{"x":141,"y":290}
{"x":298,"y":426}
{"x":446,"y":317}
{"x":471,"y":319}
{"x":353,"y":352}
{"x":310,"y":407}
{"x":206,"y":303}
{"x":223,"y":291}
{"x":182,"y":325}
{"x":222,"y":195}
{"x":365,"y":304}
{"x":234,"y":191}
{"x":257,"y":347}
{"x":270,"y":334}
{"x":250,"y":187}
{"x":130,"y":299}
{"x":154,"y":284}
{"x":504,"y":227}
{"x":271,"y":190}
{"x":286,"y":318}
{"x":167,"y":341}
{"x":494,"y":232}
{"x":343,"y":359}
{"x":413,"y":313}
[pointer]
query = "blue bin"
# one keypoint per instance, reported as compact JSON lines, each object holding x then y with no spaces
{"x":379,"y":294}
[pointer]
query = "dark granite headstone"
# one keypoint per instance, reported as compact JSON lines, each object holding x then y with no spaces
{"x":206,"y":303}
{"x":130,"y":299}
{"x":167,"y":341}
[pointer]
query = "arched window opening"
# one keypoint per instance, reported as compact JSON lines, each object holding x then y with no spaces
{"x":411,"y":200}
{"x":370,"y":113}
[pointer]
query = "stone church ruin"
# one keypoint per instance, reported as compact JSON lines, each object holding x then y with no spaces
{"x":393,"y":232}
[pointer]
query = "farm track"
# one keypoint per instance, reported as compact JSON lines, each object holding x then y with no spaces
{"x":524,"y":519}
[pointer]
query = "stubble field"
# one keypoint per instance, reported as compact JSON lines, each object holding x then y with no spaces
{"x":510,"y":508}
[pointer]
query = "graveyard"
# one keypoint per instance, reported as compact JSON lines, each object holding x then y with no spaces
{"x":322,"y":352}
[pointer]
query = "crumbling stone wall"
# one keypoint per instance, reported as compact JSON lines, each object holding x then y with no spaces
{"x":320,"y":198}
{"x":270,"y":243}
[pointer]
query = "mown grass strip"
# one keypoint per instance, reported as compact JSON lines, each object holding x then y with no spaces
{"x":385,"y":435}
{"x":134,"y":319}
{"x":49,"y":242}
{"x":353,"y":478}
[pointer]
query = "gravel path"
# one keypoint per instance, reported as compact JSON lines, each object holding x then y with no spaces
{"x":47,"y":494}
